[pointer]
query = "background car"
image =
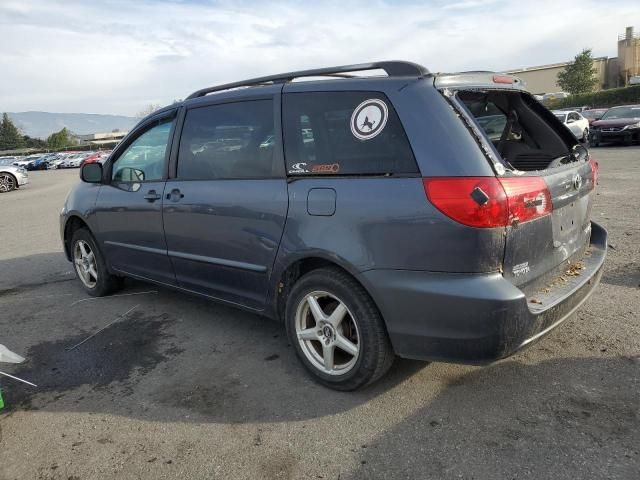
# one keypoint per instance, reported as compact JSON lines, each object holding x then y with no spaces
{"x":575,"y":109}
{"x":97,"y":157}
{"x":65,"y":159}
{"x":38,"y":162}
{"x":21,"y":162}
{"x":12,"y":177}
{"x":575,"y":122}
{"x":593,"y":114}
{"x":618,"y":124}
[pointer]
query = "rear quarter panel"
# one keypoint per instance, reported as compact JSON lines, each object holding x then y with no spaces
{"x":384,"y":223}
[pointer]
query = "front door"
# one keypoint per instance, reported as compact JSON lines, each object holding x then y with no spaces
{"x":224,"y":211}
{"x":129,"y":206}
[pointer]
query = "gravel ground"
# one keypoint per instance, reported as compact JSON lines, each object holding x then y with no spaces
{"x":184,"y":388}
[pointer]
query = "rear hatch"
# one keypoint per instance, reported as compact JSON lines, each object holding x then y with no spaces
{"x":547,"y":175}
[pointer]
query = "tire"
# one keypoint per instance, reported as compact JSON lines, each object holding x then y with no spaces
{"x":8,"y":182}
{"x":361,"y":331}
{"x":90,"y":267}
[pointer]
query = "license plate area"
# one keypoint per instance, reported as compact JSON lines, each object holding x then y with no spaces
{"x":569,"y":224}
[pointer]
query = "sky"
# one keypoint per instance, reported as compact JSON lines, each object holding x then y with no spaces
{"x":117,"y":56}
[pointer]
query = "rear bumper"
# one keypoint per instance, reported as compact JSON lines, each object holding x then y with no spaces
{"x":475,"y":318}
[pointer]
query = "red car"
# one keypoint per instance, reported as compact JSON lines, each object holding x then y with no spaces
{"x":618,"y":124}
{"x":97,"y":157}
{"x":594,"y":114}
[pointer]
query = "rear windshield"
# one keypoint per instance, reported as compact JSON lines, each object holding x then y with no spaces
{"x":345,"y":133}
{"x":523,"y":132}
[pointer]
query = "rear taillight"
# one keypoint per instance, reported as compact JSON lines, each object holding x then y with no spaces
{"x":487,"y":202}
{"x":594,"y":172}
{"x":528,"y":197}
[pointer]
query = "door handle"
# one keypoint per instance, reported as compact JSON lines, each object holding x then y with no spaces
{"x":175,"y":195}
{"x":152,"y":196}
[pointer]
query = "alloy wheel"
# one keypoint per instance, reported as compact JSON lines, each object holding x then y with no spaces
{"x":7,"y":183}
{"x":84,"y":260}
{"x":327,"y":333}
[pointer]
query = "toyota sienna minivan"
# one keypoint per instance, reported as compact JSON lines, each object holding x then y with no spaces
{"x":372,"y":214}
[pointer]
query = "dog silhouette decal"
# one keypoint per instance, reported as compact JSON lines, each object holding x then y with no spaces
{"x":369,"y":119}
{"x":368,"y":123}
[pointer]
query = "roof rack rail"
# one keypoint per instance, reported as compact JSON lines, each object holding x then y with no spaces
{"x":394,"y":68}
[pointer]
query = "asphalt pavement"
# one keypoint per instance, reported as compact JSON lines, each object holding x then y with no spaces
{"x":183,"y":388}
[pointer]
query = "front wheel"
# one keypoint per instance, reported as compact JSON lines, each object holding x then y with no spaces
{"x":90,"y":266}
{"x":337,"y":330}
{"x":7,"y":182}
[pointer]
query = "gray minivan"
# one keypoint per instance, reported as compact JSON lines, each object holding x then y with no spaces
{"x":373,"y":214}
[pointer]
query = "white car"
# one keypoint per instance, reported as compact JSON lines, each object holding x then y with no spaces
{"x":12,"y":177}
{"x":575,"y":122}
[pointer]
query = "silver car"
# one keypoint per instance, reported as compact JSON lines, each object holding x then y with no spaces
{"x":12,"y":177}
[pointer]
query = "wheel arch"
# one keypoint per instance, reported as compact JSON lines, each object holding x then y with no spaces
{"x":299,"y":265}
{"x":15,"y":179}
{"x":73,"y":223}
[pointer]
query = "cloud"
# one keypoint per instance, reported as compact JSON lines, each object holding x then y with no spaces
{"x":115,"y":56}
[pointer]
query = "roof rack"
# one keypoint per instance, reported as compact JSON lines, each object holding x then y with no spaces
{"x":393,"y":68}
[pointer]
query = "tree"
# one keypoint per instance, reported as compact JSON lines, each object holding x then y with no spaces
{"x":149,"y":109}
{"x":10,"y":136}
{"x":31,"y":142}
{"x":579,"y":77}
{"x":60,"y":139}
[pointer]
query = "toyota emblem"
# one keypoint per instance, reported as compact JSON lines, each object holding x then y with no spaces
{"x":577,"y":181}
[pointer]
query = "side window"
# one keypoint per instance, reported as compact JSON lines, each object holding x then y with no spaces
{"x":231,"y":140}
{"x":346,"y":133}
{"x":143,"y":160}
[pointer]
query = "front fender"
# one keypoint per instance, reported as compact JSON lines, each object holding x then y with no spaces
{"x":79,"y":206}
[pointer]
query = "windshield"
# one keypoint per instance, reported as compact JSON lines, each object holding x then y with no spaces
{"x":593,"y":114}
{"x":561,"y":116}
{"x":622,"y":112}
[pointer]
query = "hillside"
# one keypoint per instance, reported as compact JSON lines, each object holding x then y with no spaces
{"x":43,"y":124}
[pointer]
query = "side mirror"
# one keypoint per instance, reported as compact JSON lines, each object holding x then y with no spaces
{"x":571,"y":120}
{"x":91,"y":172}
{"x":128,"y":174}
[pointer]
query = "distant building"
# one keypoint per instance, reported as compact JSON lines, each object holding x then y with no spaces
{"x":628,"y":55}
{"x":611,"y":72}
{"x":101,"y":139}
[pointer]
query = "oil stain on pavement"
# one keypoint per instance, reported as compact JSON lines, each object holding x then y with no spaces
{"x":113,"y":359}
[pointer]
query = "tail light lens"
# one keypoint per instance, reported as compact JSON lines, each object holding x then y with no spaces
{"x":487,"y":202}
{"x":594,"y":172}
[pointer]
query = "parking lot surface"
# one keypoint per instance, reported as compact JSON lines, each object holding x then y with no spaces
{"x":184,"y":388}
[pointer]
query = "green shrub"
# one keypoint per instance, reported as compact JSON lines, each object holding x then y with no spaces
{"x":604,"y":98}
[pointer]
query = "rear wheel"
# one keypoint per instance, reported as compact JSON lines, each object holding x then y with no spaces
{"x":337,"y":330}
{"x":7,"y":182}
{"x":90,"y":266}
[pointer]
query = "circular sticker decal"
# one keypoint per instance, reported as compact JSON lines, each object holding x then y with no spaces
{"x":369,"y":119}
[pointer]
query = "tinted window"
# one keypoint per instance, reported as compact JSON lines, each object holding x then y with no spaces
{"x":232,"y":140}
{"x":143,"y":160}
{"x":347,"y":133}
